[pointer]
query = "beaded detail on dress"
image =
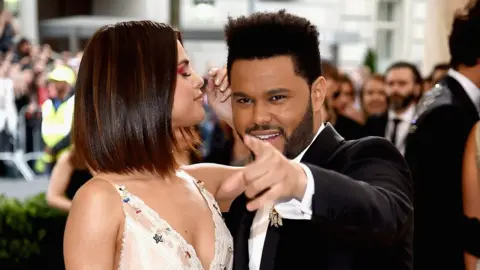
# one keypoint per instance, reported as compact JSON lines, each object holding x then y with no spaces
{"x":149,"y":242}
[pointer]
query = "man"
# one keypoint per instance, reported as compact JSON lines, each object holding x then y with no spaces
{"x":403,"y":84}
{"x":438,"y":72}
{"x":57,"y":116}
{"x":339,"y":204}
{"x":434,"y":152}
{"x":8,"y":119}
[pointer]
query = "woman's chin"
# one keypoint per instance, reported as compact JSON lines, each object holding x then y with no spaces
{"x":190,"y":119}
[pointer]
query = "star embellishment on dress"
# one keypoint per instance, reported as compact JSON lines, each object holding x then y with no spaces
{"x":158,"y":238}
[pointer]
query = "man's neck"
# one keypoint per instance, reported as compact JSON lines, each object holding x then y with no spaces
{"x":472,"y":73}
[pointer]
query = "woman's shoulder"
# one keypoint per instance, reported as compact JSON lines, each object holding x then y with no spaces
{"x":99,"y":197}
{"x":94,"y":220}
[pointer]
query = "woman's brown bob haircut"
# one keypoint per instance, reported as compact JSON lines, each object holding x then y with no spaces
{"x":124,"y":99}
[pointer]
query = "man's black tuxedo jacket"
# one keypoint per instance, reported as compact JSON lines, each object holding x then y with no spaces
{"x":434,"y":152}
{"x":362,"y":212}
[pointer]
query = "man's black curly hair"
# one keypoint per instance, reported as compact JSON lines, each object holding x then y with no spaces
{"x":268,"y":34}
{"x":464,"y":39}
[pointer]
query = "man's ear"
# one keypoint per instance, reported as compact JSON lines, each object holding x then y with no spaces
{"x":318,"y":92}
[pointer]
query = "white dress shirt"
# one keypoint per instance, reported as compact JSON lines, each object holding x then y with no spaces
{"x":292,"y":209}
{"x":402,"y":129}
{"x":470,"y":88}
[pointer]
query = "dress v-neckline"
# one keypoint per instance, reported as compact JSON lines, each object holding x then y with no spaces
{"x":192,"y":253}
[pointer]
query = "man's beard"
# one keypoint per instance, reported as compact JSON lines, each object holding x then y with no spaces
{"x":301,"y":136}
{"x":398,"y":102}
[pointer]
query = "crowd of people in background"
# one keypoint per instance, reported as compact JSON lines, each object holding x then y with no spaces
{"x":32,"y":76}
{"x":27,"y":82}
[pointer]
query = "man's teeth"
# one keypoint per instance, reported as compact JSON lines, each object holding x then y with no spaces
{"x":268,"y":136}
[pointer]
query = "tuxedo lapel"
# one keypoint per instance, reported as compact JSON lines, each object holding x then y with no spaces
{"x":270,"y":248}
{"x":322,"y":149}
{"x":241,"y":258}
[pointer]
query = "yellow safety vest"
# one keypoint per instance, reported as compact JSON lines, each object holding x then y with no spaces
{"x":56,"y":124}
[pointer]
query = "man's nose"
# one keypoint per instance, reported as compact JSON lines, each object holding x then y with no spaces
{"x":261,"y":114}
{"x":393,"y":89}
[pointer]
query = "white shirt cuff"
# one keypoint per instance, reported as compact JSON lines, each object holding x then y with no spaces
{"x":295,"y":209}
{"x":306,"y":203}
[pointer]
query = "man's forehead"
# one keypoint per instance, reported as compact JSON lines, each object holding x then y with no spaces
{"x":264,"y":67}
{"x":399,"y":72}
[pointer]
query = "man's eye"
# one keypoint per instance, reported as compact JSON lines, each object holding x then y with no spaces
{"x":277,"y":97}
{"x":244,"y":100}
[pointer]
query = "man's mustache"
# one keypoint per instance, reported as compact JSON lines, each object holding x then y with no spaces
{"x":397,"y":96}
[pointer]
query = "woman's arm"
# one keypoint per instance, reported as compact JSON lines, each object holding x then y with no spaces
{"x":93,"y":227}
{"x":471,"y":188}
{"x":59,"y":182}
{"x":213,"y":175}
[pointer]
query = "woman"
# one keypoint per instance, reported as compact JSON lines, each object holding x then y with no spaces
{"x":373,"y":97}
{"x":471,"y":184}
{"x":68,"y":175}
{"x":135,"y":87}
{"x":346,"y":119}
{"x":344,"y":96}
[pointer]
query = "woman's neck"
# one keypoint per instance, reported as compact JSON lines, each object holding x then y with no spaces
{"x":183,"y":158}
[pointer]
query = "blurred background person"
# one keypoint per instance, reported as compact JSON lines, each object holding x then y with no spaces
{"x":8,"y":119}
{"x":57,"y":116}
{"x":68,"y":175}
{"x":339,"y":103}
{"x":403,"y":84}
{"x":373,"y":96}
{"x":438,"y":72}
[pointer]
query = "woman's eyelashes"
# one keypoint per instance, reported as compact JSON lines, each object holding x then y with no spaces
{"x":183,"y":71}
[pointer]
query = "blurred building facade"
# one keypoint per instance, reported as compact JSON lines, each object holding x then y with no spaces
{"x":393,"y":28}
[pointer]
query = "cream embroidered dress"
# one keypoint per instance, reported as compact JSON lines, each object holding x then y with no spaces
{"x":149,"y":242}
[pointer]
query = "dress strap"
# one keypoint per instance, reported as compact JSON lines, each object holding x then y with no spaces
{"x":122,"y":191}
{"x":199,"y":184}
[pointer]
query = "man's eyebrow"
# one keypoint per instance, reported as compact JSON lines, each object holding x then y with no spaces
{"x":239,"y":94}
{"x":277,"y":91}
{"x":271,"y":92}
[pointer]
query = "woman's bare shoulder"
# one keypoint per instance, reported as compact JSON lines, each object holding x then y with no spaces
{"x":94,"y":222}
{"x":97,"y":195}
